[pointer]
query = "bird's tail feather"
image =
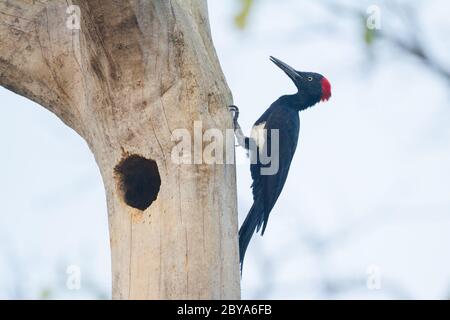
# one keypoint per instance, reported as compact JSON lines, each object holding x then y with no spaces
{"x":252,"y":222}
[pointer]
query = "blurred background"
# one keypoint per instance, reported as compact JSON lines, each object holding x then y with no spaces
{"x":365,"y":212}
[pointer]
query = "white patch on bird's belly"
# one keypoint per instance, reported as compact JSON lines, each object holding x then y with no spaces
{"x":259,"y":135}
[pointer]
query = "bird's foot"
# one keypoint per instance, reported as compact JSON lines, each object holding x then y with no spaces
{"x":241,"y":138}
{"x":235,"y":114}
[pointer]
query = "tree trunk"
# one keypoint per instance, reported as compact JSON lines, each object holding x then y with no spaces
{"x":124,"y":75}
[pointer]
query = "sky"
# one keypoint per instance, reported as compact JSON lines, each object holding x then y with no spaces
{"x":368,"y":194}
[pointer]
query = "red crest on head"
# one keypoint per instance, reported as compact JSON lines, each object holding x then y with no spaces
{"x":326,"y":89}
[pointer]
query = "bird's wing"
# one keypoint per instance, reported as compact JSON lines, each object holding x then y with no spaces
{"x":267,"y":187}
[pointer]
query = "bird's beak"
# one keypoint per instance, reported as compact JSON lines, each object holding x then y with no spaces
{"x":286,"y":68}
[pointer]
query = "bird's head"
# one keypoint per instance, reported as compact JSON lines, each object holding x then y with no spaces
{"x":312,"y":87}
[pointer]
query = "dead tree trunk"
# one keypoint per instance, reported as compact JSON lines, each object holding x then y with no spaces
{"x":124,"y":75}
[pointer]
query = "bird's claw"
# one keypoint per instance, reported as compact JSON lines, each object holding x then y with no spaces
{"x":234,"y":111}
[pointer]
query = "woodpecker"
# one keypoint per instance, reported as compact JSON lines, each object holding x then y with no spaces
{"x":276,"y":130}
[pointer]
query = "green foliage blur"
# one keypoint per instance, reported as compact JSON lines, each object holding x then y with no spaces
{"x":241,"y":19}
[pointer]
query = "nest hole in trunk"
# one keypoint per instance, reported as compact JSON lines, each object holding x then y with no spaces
{"x":139,"y":181}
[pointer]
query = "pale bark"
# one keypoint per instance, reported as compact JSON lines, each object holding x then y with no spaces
{"x":134,"y":72}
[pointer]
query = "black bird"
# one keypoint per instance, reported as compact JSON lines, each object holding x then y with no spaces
{"x":269,"y":176}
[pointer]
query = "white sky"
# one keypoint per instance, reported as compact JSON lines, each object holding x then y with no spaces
{"x":372,"y":167}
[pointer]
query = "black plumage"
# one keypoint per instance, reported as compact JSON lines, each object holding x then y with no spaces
{"x":283,"y":116}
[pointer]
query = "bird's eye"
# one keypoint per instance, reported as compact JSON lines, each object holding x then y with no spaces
{"x":310,"y":78}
